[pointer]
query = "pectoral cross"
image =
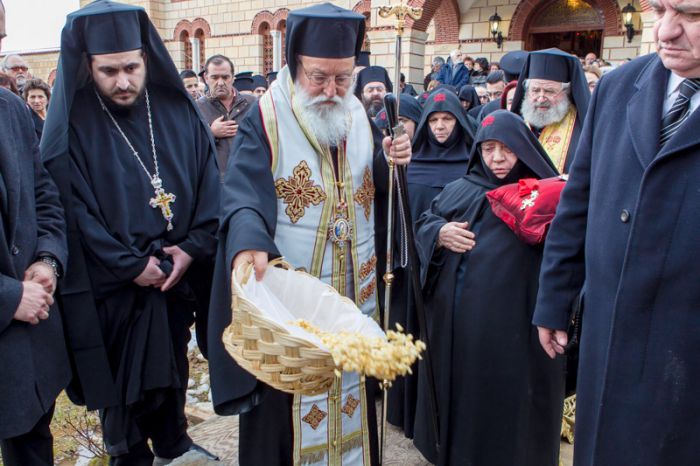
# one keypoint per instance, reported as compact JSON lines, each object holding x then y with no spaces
{"x":163,"y":201}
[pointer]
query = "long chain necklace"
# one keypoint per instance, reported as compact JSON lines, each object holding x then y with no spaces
{"x":340,"y":228}
{"x":161,"y":200}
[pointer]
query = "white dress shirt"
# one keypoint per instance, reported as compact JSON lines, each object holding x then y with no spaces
{"x":672,"y":91}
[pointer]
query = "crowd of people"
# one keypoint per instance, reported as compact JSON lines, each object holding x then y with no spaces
{"x":552,"y":198}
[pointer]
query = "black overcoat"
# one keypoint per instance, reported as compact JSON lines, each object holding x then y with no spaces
{"x":35,"y":364}
{"x":627,"y":231}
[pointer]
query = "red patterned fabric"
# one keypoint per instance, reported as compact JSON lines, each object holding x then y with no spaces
{"x":527,"y":207}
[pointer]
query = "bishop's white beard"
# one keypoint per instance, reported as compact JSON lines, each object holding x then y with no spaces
{"x":326,"y":118}
{"x":539,"y":118}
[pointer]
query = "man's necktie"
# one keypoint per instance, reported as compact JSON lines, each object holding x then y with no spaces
{"x":680,"y":109}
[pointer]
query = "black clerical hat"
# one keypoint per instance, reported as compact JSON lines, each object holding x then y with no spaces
{"x":363,"y":58}
{"x":551,"y":64}
{"x":512,"y":63}
{"x":271,"y":77}
{"x":244,"y":81}
{"x":259,"y":81}
{"x":112,"y":33}
{"x":323,"y":31}
{"x":372,"y":74}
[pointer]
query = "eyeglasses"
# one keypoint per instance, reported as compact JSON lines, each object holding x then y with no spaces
{"x":19,"y":68}
{"x":322,"y":80}
{"x":548,"y":92}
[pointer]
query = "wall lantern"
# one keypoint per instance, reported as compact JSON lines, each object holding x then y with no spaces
{"x":627,"y":18}
{"x":495,"y":24}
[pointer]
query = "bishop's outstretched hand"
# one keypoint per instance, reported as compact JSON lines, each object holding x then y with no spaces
{"x":257,"y":258}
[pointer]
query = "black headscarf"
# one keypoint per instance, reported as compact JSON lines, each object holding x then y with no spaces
{"x":422,"y":98}
{"x":372,"y":74}
{"x":468,"y":93}
{"x":438,"y":163}
{"x":555,"y":65}
{"x":324,"y":31}
{"x":511,"y":130}
{"x":446,"y":87}
{"x":409,"y":108}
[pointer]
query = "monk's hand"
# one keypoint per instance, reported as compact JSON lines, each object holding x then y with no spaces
{"x":553,"y":341}
{"x":181,"y":262}
{"x":152,"y":275}
{"x":399,"y":149}
{"x":257,"y":258}
{"x":35,"y":303}
{"x":456,"y":237}
{"x":43,"y":274}
{"x":221,"y":128}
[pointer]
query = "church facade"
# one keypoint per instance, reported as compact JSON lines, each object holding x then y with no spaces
{"x":251,"y":32}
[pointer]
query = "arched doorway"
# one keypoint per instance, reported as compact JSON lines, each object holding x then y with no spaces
{"x":574,"y":26}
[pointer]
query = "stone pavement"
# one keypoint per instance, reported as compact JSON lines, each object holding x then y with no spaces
{"x":219,"y":434}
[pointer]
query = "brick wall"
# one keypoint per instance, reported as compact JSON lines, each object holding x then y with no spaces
{"x":230,"y":28}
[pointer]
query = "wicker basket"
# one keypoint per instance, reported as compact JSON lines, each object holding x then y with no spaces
{"x":268,"y":351}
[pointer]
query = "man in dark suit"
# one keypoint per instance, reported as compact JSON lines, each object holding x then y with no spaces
{"x":35,"y":365}
{"x":626,"y":233}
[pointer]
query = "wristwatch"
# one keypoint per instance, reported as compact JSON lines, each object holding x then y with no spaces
{"x":48,"y":260}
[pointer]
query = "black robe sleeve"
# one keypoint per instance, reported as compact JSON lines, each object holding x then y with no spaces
{"x":201,"y":239}
{"x":51,"y":225}
{"x":460,"y":201}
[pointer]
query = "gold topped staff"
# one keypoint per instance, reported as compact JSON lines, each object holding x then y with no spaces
{"x":400,"y":12}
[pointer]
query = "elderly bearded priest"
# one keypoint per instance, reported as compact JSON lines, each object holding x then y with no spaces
{"x":325,"y":144}
{"x":552,"y":97}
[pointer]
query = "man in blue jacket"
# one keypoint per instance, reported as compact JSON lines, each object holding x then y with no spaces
{"x":454,"y":72}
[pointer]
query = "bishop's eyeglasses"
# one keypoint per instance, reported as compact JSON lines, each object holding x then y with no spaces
{"x":321,"y":79}
{"x":548,"y":92}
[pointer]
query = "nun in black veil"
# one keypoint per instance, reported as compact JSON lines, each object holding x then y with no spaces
{"x":441,"y":148}
{"x":500,"y":396}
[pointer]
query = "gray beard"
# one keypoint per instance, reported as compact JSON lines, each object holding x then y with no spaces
{"x":329,"y":123}
{"x":540,"y":119}
{"x":373,"y":107}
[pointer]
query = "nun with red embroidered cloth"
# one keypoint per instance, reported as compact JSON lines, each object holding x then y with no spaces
{"x":500,"y":396}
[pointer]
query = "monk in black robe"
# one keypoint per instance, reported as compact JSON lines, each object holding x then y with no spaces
{"x":440,"y":152}
{"x":136,"y":169}
{"x":500,"y":396}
